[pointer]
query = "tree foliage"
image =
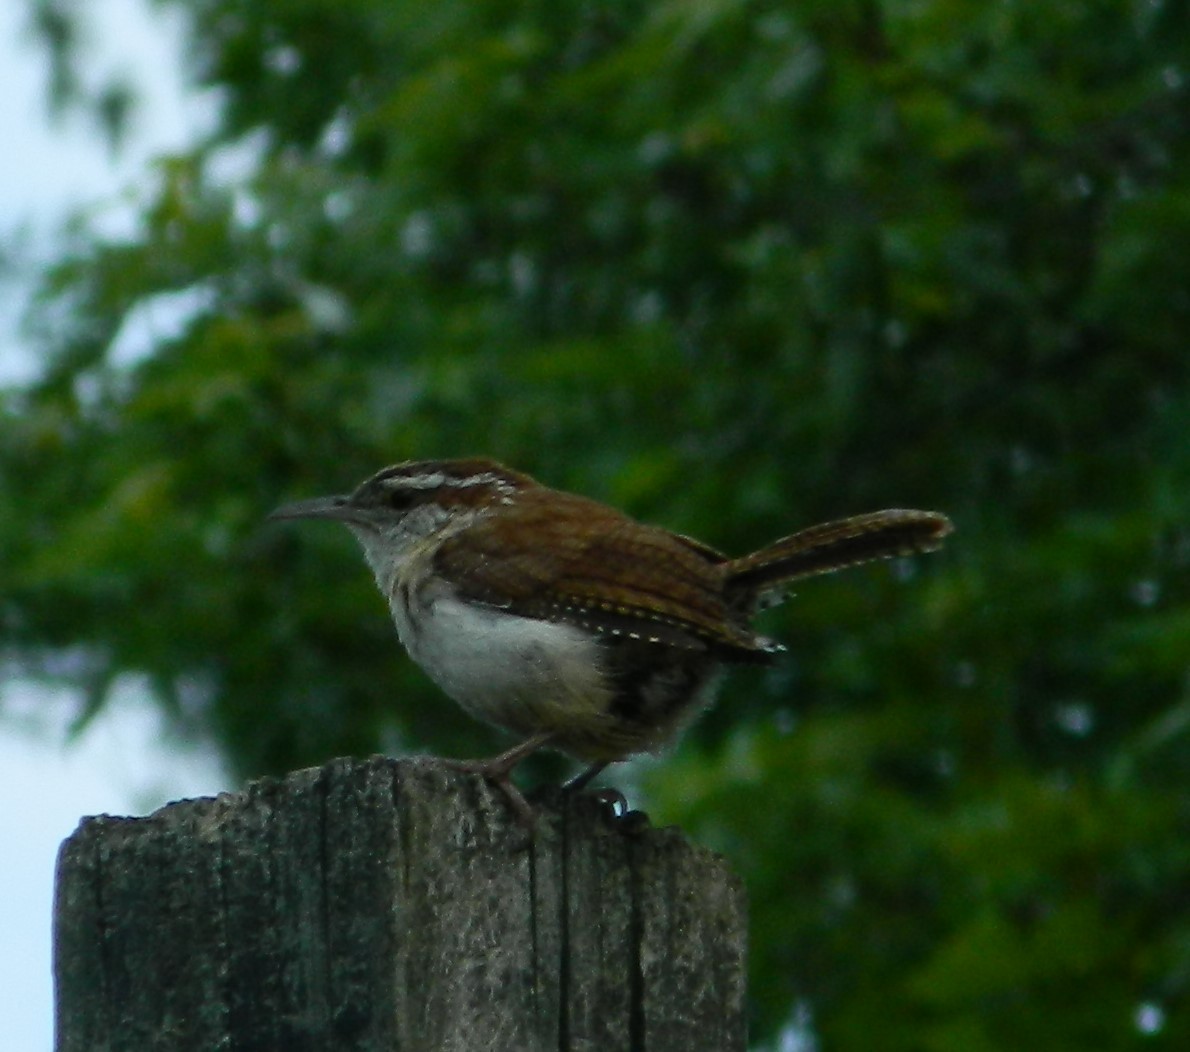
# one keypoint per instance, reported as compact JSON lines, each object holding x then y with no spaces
{"x":734,"y":266}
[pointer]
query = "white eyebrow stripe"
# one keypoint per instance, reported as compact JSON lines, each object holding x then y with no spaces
{"x":438,"y":479}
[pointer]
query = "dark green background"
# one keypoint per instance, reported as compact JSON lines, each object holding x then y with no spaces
{"x":734,"y":267}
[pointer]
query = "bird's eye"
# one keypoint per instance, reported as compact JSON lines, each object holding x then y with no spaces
{"x":400,"y":491}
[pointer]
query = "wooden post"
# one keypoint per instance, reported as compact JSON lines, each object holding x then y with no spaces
{"x":393,"y":905}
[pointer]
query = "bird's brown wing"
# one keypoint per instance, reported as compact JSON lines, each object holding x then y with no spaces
{"x":559,"y":557}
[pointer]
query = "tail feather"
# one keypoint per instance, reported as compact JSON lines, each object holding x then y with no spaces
{"x":836,"y":545}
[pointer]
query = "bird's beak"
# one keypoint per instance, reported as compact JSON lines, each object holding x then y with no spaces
{"x":315,"y":508}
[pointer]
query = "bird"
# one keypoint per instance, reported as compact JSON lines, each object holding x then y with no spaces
{"x":565,"y":621}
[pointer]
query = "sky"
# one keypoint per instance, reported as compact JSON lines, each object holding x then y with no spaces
{"x":125,"y":763}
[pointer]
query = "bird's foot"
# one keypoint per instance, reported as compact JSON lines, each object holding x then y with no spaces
{"x":497,"y":771}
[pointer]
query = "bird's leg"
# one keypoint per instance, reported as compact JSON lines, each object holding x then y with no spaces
{"x":498,"y":771}
{"x":582,"y":780}
{"x":614,"y":799}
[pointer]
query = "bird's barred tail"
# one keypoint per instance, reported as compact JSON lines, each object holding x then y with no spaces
{"x":836,"y":545}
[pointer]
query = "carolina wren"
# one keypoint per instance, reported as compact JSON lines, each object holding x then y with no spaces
{"x":563,"y":620}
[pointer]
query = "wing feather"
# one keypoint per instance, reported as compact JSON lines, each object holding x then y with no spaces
{"x":622,"y":578}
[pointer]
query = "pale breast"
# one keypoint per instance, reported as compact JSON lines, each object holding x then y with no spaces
{"x":520,"y":673}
